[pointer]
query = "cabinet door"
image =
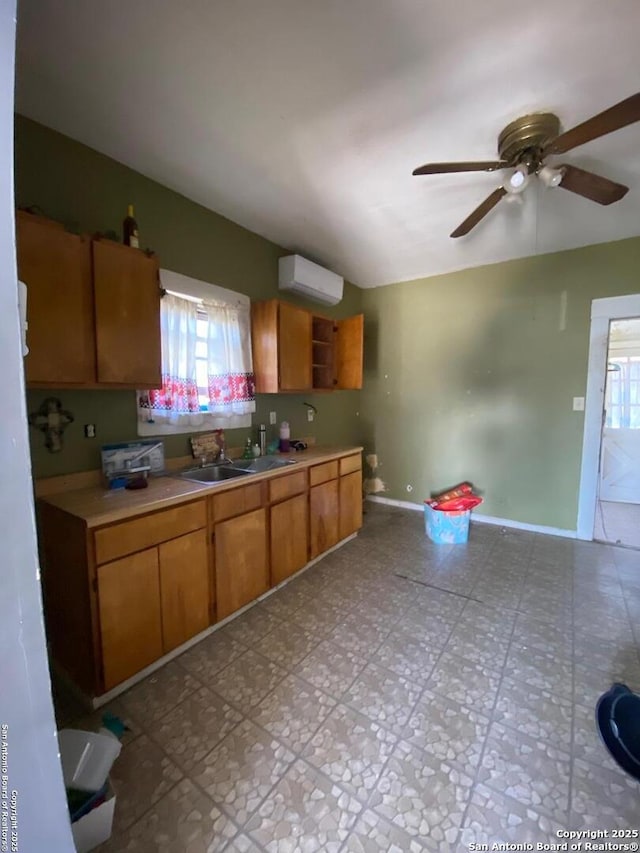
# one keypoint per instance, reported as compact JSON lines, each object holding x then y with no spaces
{"x":242,"y":567}
{"x":289,"y":538}
{"x":349,"y":352}
{"x":264,"y":345}
{"x":130,"y":620}
{"x":184,"y":588}
{"x":350,"y":503}
{"x":323,"y":517}
{"x":294,"y":348}
{"x":127,"y":306}
{"x":56,"y":267}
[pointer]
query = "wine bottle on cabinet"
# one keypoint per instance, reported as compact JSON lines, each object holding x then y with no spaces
{"x":130,"y":229}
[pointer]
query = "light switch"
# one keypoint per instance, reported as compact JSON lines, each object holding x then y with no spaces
{"x":272,"y":418}
{"x":578,"y":404}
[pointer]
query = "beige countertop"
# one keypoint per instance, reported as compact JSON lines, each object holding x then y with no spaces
{"x":97,"y":506}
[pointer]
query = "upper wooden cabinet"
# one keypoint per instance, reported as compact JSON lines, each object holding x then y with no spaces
{"x":281,"y":345}
{"x":349,"y":352}
{"x":296,"y":350}
{"x":93,"y":309}
{"x":127,"y":311}
{"x":56,"y":267}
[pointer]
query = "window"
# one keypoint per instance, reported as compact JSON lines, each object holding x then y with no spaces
{"x":207,"y":374}
{"x":202,"y":361}
{"x":623,"y":392}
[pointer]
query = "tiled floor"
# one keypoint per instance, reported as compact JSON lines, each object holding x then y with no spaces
{"x":397,"y":696}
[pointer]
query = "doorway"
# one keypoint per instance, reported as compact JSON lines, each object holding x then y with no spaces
{"x":609,"y":498}
{"x":618,"y":507}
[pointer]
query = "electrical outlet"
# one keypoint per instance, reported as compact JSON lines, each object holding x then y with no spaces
{"x":89,"y":430}
{"x":578,"y":404}
{"x":310,"y":415}
{"x":272,"y":418}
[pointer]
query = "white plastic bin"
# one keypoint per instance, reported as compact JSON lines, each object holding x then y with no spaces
{"x":86,"y":758}
{"x":95,"y":827}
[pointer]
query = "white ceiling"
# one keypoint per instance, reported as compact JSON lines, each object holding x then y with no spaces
{"x":302,"y":120}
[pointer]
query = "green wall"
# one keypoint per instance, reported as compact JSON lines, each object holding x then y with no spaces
{"x":471,"y":375}
{"x":90,"y":192}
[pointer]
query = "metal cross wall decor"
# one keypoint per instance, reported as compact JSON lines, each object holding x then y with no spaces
{"x":52,"y":420}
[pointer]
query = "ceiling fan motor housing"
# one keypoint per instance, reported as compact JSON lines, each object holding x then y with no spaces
{"x":522,"y":140}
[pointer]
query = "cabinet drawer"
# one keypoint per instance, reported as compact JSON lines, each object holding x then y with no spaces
{"x":350,"y":464}
{"x":285,"y":487}
{"x":120,"y":539}
{"x":237,"y":501}
{"x":321,"y":473}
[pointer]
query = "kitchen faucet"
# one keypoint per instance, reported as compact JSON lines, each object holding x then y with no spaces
{"x":220,"y":459}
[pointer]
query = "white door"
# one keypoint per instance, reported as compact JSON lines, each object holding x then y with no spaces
{"x":620,"y":449}
{"x":620,"y":465}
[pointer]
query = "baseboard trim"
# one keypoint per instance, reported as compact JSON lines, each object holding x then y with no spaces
{"x":522,"y":525}
{"x":392,"y":502}
{"x":486,"y":519}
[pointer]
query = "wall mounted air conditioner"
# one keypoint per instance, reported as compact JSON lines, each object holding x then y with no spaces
{"x":299,"y":275}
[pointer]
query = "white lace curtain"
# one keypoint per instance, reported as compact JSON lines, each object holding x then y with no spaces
{"x":228,"y":398}
{"x":231,"y":383}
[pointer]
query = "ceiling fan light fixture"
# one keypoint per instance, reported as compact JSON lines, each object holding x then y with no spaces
{"x":517,"y":180}
{"x":551,"y":177}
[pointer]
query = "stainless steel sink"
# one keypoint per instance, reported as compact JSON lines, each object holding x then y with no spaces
{"x":212,"y":474}
{"x":262,"y":463}
{"x":239,"y":468}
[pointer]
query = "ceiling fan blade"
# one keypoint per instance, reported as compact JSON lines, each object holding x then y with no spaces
{"x":615,"y":118}
{"x":472,"y":166}
{"x":479,"y":213}
{"x":591,"y":186}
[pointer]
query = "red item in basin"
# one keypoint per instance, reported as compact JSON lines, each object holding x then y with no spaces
{"x":465,"y":502}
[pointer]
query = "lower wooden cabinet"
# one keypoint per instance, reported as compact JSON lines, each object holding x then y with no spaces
{"x":323,"y":517}
{"x":289,"y":538}
{"x":150,"y":602}
{"x":350,"y":504}
{"x":184,"y":588}
{"x":130,"y":615}
{"x":241,"y":560}
{"x":120,"y":596}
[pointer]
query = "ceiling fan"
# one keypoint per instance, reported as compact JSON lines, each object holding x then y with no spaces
{"x":523,"y":147}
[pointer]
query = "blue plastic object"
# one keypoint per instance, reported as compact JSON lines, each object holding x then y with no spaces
{"x":114,"y":724}
{"x":446,"y":527}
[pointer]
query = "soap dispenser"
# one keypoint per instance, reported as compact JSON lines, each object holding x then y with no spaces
{"x":284,"y":437}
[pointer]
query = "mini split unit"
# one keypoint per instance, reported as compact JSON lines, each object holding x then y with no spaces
{"x":299,"y":275}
